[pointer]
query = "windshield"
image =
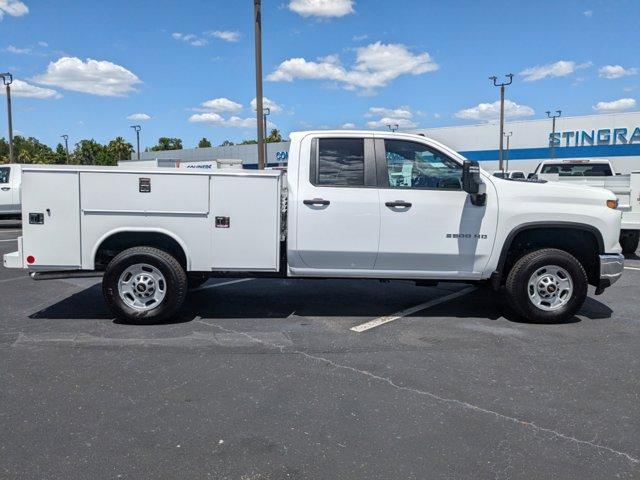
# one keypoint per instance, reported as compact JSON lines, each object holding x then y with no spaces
{"x":4,"y":174}
{"x":578,"y":169}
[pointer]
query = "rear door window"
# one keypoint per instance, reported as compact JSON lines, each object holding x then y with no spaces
{"x":340,"y":162}
{"x":4,"y":174}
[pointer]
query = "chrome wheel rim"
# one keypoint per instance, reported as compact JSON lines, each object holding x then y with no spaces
{"x":142,"y":287}
{"x":550,"y":287}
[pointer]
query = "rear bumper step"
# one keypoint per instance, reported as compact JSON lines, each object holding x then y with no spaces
{"x":55,"y":275}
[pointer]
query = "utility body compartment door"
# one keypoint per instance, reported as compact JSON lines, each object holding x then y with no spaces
{"x":51,"y":219}
{"x":245,"y":222}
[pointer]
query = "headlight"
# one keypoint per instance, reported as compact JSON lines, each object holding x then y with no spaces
{"x":612,"y":203}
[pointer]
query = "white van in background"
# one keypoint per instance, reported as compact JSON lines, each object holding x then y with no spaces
{"x":10,"y":180}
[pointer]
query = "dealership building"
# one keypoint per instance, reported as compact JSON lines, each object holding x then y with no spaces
{"x":614,"y":136}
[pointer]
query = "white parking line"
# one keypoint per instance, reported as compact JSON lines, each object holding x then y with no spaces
{"x":206,"y":287}
{"x":409,"y":311}
{"x":631,"y":268}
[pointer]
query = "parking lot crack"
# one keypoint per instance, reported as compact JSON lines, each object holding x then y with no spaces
{"x":450,"y":401}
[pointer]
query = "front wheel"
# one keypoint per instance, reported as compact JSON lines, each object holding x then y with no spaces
{"x":547,"y":286}
{"x":144,"y":285}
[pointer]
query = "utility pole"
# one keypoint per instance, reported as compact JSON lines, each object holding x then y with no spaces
{"x":7,"y":79}
{"x":393,"y":127}
{"x":501,"y":85}
{"x":137,"y":128}
{"x":66,"y":145}
{"x":266,"y":111}
{"x":508,"y":137}
{"x":552,"y":141}
{"x":257,"y":17}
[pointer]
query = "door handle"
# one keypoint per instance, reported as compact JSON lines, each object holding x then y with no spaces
{"x":398,"y":204}
{"x":6,"y":189}
{"x":316,"y":201}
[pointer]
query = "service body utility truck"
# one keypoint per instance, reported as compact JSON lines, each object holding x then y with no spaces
{"x":599,"y":173}
{"x":10,"y":190}
{"x":364,"y":205}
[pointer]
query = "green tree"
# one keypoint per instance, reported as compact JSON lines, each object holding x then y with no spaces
{"x":4,"y":151}
{"x":204,"y":143}
{"x":227,"y":143}
{"x":119,"y":149}
{"x":248,"y":142}
{"x":31,"y":150}
{"x":167,"y":143}
{"x":89,"y":152}
{"x":61,"y":155}
{"x":274,"y":136}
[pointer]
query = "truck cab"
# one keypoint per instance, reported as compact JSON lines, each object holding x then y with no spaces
{"x":352,"y":204}
{"x":10,"y":179}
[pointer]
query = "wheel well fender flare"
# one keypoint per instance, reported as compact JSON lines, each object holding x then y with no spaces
{"x":161,"y":231}
{"x":540,"y":225}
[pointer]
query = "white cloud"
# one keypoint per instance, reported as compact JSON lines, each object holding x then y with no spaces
{"x":221,"y":105}
{"x":218,"y":120}
{"x":139,"y":117}
{"x":190,"y":39}
{"x":561,"y":68}
{"x":401,"y":116}
{"x":588,"y":13}
{"x":615,"y":106}
{"x":18,"y":51}
{"x":616,"y":71}
{"x":97,"y":77}
{"x":43,"y":44}
{"x":226,"y":35}
{"x":348,"y":126}
{"x":13,"y":8}
{"x":400,"y":112}
{"x":267,"y":103}
{"x":491,"y":111}
{"x":20,"y":88}
{"x":376,"y":66}
{"x":322,"y":8}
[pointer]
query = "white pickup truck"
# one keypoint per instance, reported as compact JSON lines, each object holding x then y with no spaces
{"x":10,"y":190}
{"x":352,"y":205}
{"x":600,"y":173}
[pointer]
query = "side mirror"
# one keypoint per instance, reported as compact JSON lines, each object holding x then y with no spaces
{"x":471,"y":177}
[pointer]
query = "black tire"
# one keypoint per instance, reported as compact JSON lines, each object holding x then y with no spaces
{"x":194,"y":280}
{"x":174,"y":275}
{"x":629,"y":241}
{"x":518,"y":289}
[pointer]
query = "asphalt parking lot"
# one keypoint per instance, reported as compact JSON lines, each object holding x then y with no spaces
{"x":265,"y":379}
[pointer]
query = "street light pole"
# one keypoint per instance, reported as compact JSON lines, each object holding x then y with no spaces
{"x":257,"y":17}
{"x":66,"y":145}
{"x":508,"y":137}
{"x":7,"y":79}
{"x":265,"y":112}
{"x":393,"y":127}
{"x":501,"y":85}
{"x":552,"y":141}
{"x":137,"y":128}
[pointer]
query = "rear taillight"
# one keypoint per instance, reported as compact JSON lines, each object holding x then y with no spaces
{"x":31,"y":259}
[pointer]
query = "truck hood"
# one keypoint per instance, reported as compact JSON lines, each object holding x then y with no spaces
{"x":556,"y":191}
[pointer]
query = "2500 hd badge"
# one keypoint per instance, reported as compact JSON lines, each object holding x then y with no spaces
{"x":466,"y":235}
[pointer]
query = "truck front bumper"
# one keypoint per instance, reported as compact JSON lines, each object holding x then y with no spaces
{"x":611,"y":268}
{"x":14,"y":259}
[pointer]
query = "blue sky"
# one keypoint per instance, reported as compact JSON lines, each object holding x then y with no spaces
{"x":82,"y":68}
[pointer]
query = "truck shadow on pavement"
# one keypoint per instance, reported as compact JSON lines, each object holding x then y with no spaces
{"x":281,"y":299}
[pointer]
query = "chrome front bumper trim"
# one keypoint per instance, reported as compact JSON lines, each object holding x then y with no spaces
{"x":611,"y":268}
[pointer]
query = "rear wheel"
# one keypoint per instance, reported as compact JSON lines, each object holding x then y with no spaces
{"x":629,"y":240}
{"x":144,"y":285}
{"x":547,"y":286}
